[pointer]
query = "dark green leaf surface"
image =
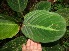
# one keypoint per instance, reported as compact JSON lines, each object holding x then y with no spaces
{"x":67,"y":32}
{"x":8,"y":28}
{"x":54,"y":48}
{"x":14,"y":45}
{"x":66,"y":44}
{"x":6,"y":17}
{"x":44,"y":26}
{"x":65,"y":13}
{"x":43,"y":5}
{"x":17,"y":5}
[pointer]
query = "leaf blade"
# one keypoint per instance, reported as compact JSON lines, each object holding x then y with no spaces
{"x":14,"y":45}
{"x":65,"y":13}
{"x":17,"y":5}
{"x":43,"y":5}
{"x":43,"y":26}
{"x":8,"y":28}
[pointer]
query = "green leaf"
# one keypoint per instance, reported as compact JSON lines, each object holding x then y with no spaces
{"x":66,"y":44}
{"x":6,"y":17}
{"x":17,"y":5}
{"x":8,"y":28}
{"x":54,"y":48}
{"x":44,"y":26}
{"x":60,"y":0}
{"x":59,"y":6}
{"x":67,"y":32}
{"x":65,"y":13}
{"x":14,"y":45}
{"x":43,"y":5}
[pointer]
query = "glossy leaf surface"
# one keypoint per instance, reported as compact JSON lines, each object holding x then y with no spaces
{"x":14,"y":45}
{"x":43,"y":5}
{"x":8,"y":28}
{"x":44,"y":26}
{"x":65,"y":13}
{"x":17,"y":5}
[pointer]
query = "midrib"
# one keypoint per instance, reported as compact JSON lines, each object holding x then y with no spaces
{"x":43,"y":27}
{"x":19,"y":6}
